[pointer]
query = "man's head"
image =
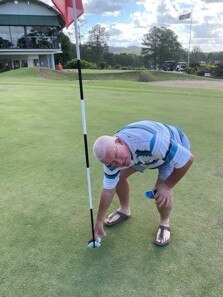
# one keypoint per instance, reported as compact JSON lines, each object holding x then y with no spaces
{"x":111,"y":150}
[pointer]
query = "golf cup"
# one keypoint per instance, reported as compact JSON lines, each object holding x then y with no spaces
{"x":94,"y":244}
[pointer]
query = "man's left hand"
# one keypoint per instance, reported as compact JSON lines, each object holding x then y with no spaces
{"x":163,"y":195}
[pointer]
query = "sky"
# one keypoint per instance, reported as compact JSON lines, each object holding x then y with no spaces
{"x":127,"y":21}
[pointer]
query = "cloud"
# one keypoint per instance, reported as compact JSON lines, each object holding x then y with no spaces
{"x":212,"y":1}
{"x":121,"y":34}
{"x":128,"y":20}
{"x":102,"y":7}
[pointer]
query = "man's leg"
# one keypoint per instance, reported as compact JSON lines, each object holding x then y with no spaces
{"x":123,"y":191}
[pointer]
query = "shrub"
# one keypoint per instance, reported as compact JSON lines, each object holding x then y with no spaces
{"x":117,"y":66}
{"x":3,"y":67}
{"x":194,"y":64}
{"x":201,"y":72}
{"x":218,"y":70}
{"x":191,"y":70}
{"x":102,"y":65}
{"x":72,"y":64}
{"x":93,"y":65}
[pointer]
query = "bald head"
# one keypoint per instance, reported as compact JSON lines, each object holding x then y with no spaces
{"x":103,"y":145}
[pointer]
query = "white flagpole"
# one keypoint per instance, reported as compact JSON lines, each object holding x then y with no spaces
{"x":83,"y":118}
{"x":188,"y":58}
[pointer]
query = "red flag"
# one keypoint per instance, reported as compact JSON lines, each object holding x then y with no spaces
{"x":65,"y":7}
{"x":185,"y":16}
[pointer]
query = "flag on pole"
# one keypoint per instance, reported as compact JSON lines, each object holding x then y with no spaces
{"x":185,"y":16}
{"x":65,"y":7}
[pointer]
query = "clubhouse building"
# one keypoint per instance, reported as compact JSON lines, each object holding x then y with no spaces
{"x":28,"y":34}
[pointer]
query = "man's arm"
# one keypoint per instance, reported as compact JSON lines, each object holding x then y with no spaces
{"x":105,"y":201}
{"x":178,"y":173}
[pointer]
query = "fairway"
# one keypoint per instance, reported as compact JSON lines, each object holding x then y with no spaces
{"x":45,"y":222}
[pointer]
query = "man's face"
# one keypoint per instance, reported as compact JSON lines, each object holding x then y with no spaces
{"x":119,"y":155}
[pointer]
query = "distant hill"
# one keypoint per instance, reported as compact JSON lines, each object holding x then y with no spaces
{"x":129,"y":50}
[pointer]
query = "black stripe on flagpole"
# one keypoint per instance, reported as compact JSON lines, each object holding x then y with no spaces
{"x":92,"y":226}
{"x":86,"y":150}
{"x":80,"y":79}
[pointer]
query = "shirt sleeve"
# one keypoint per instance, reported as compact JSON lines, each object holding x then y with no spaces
{"x":111,"y":177}
{"x":181,"y":157}
{"x":173,"y":153}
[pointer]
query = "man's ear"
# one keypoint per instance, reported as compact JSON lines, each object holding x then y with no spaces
{"x":118,"y":140}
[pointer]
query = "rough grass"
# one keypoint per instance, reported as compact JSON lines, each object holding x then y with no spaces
{"x":70,"y":75}
{"x":45,"y":224}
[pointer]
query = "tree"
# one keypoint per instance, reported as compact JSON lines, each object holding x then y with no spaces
{"x":196,"y":56}
{"x":124,"y":60}
{"x":67,"y":48}
{"x":97,"y":44}
{"x":159,"y":45}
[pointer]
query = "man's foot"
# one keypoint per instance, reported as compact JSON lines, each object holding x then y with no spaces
{"x":115,"y":218}
{"x":163,"y":235}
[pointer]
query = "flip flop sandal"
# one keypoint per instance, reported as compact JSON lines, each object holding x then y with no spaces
{"x":162,"y":228}
{"x":121,"y":217}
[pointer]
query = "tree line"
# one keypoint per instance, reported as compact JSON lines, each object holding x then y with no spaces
{"x":158,"y":45}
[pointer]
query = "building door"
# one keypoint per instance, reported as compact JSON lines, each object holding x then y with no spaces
{"x":24,"y":63}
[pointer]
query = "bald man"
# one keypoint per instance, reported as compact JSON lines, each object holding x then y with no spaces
{"x":134,"y":148}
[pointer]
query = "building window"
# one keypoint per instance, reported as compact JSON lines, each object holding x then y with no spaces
{"x":17,"y":34}
{"x":16,"y":64}
{"x":24,"y":63}
{"x":42,"y":37}
{"x":29,"y":37}
{"x":5,"y":37}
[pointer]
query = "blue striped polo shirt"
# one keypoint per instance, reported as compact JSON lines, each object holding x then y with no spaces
{"x":152,"y":145}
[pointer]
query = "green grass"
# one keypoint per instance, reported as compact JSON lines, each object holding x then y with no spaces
{"x":45,"y":224}
{"x":91,"y":74}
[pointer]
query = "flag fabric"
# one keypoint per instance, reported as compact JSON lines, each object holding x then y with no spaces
{"x":185,"y":16}
{"x":65,"y":7}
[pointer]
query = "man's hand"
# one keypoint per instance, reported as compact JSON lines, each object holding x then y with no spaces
{"x":163,"y":195}
{"x":99,"y":230}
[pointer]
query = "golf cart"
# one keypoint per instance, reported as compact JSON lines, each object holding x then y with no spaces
{"x":181,"y":66}
{"x":169,"y":66}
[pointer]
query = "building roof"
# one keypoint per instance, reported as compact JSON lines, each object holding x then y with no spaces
{"x":28,"y":12}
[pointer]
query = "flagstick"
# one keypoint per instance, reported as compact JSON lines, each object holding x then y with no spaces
{"x":83,"y":118}
{"x":188,"y":59}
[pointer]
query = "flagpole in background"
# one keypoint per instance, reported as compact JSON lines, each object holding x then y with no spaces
{"x":188,"y":59}
{"x":83,"y":118}
{"x":186,"y":16}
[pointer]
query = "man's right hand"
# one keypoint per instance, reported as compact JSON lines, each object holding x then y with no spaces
{"x":99,"y":229}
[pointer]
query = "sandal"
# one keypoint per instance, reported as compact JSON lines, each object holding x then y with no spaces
{"x":121,"y":217}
